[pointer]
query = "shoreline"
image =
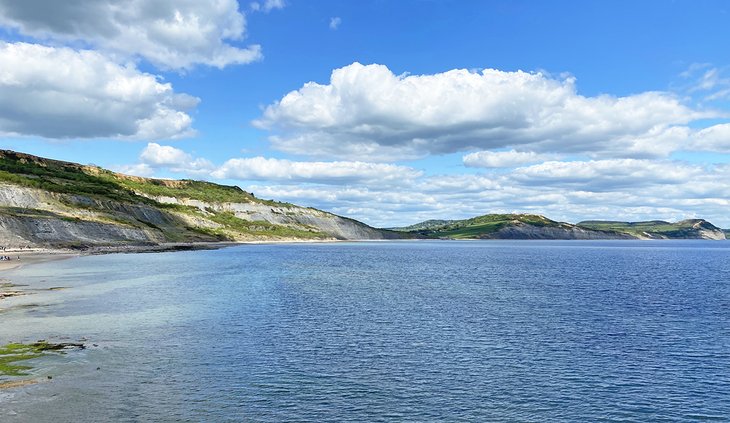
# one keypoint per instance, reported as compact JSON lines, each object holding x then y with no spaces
{"x":28,"y":256}
{"x":20,"y":257}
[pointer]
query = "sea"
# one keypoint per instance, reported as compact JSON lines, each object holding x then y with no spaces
{"x":401,"y":331}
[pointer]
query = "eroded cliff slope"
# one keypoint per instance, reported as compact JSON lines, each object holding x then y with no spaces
{"x":51,"y":203}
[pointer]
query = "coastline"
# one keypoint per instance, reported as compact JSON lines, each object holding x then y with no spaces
{"x":28,"y":256}
{"x":24,"y":257}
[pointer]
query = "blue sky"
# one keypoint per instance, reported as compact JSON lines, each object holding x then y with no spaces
{"x":387,"y":112}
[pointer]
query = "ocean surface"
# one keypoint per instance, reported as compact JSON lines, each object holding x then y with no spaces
{"x":381,"y":331}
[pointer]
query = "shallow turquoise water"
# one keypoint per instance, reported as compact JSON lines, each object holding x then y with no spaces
{"x":401,"y":331}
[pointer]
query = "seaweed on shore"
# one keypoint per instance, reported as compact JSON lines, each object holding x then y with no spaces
{"x":13,"y":353}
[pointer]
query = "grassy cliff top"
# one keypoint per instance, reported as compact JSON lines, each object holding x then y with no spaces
{"x":659,"y":227}
{"x":476,"y":226}
{"x":71,"y":178}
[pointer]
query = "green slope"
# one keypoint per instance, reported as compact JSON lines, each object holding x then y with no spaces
{"x":655,"y":228}
{"x":530,"y":226}
{"x":89,"y":189}
{"x":477,"y":227}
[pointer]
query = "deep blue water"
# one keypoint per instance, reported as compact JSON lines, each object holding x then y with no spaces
{"x":402,"y":331}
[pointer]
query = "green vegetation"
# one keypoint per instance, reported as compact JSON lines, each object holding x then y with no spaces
{"x":426,"y":225}
{"x":60,"y":177}
{"x":653,"y":228}
{"x":260,"y":228}
{"x":70,"y":178}
{"x":106,"y":197}
{"x":195,"y":190}
{"x":11,"y":354}
{"x":476,"y":227}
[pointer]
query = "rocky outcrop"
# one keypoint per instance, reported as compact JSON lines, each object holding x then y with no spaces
{"x":57,"y":232}
{"x":705,"y":229}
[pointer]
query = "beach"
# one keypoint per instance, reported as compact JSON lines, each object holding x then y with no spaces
{"x":27,"y":256}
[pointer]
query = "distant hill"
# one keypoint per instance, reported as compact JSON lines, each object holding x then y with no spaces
{"x":51,"y":203}
{"x":659,"y":229}
{"x":424,"y":226}
{"x":507,"y":226}
{"x":531,"y":226}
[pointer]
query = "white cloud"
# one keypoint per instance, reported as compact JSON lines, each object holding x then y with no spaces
{"x":139,"y":169}
{"x":335,"y":22}
{"x":63,"y":93}
{"x":706,"y":82}
{"x":600,"y":175}
{"x":171,"y":34}
{"x":369,"y":112}
{"x":715,"y":138}
{"x":497,"y":159}
{"x":260,"y":168}
{"x":566,"y":191}
{"x":268,"y":5}
{"x":164,"y":156}
{"x":391,"y":195}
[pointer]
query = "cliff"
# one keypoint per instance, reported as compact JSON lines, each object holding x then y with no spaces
{"x":49,"y":203}
{"x":658,"y":229}
{"x":528,"y":226}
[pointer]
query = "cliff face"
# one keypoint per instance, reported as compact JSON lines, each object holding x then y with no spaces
{"x":58,"y":204}
{"x":526,"y":226}
{"x":35,"y":218}
{"x":526,"y":231}
{"x":288,"y":215}
{"x":508,"y":226}
{"x":658,"y":229}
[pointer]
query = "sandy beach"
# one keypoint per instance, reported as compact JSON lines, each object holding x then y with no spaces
{"x":23,"y":257}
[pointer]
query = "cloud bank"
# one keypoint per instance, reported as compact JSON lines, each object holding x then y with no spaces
{"x":387,"y":194}
{"x":170,"y":34}
{"x":367,"y":111}
{"x":58,"y":92}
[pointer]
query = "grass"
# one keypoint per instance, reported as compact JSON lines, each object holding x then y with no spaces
{"x":60,"y":177}
{"x":71,"y":178}
{"x":260,"y":227}
{"x":196,"y":190}
{"x":481,"y":225}
{"x":103,"y":185}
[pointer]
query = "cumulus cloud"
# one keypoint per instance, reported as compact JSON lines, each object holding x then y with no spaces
{"x":368,"y":111}
{"x":715,"y":138}
{"x":158,"y":156}
{"x":139,"y":169}
{"x":640,"y":195}
{"x":600,"y":175}
{"x":171,"y":34}
{"x":57,"y":92}
{"x":497,"y":159}
{"x":391,"y":195}
{"x":260,"y":168}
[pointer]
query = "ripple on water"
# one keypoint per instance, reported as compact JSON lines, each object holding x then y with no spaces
{"x":428,"y":331}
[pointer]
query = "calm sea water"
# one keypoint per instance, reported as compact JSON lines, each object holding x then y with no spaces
{"x":401,"y":331}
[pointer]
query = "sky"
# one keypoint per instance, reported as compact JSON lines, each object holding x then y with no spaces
{"x":389,"y":112}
